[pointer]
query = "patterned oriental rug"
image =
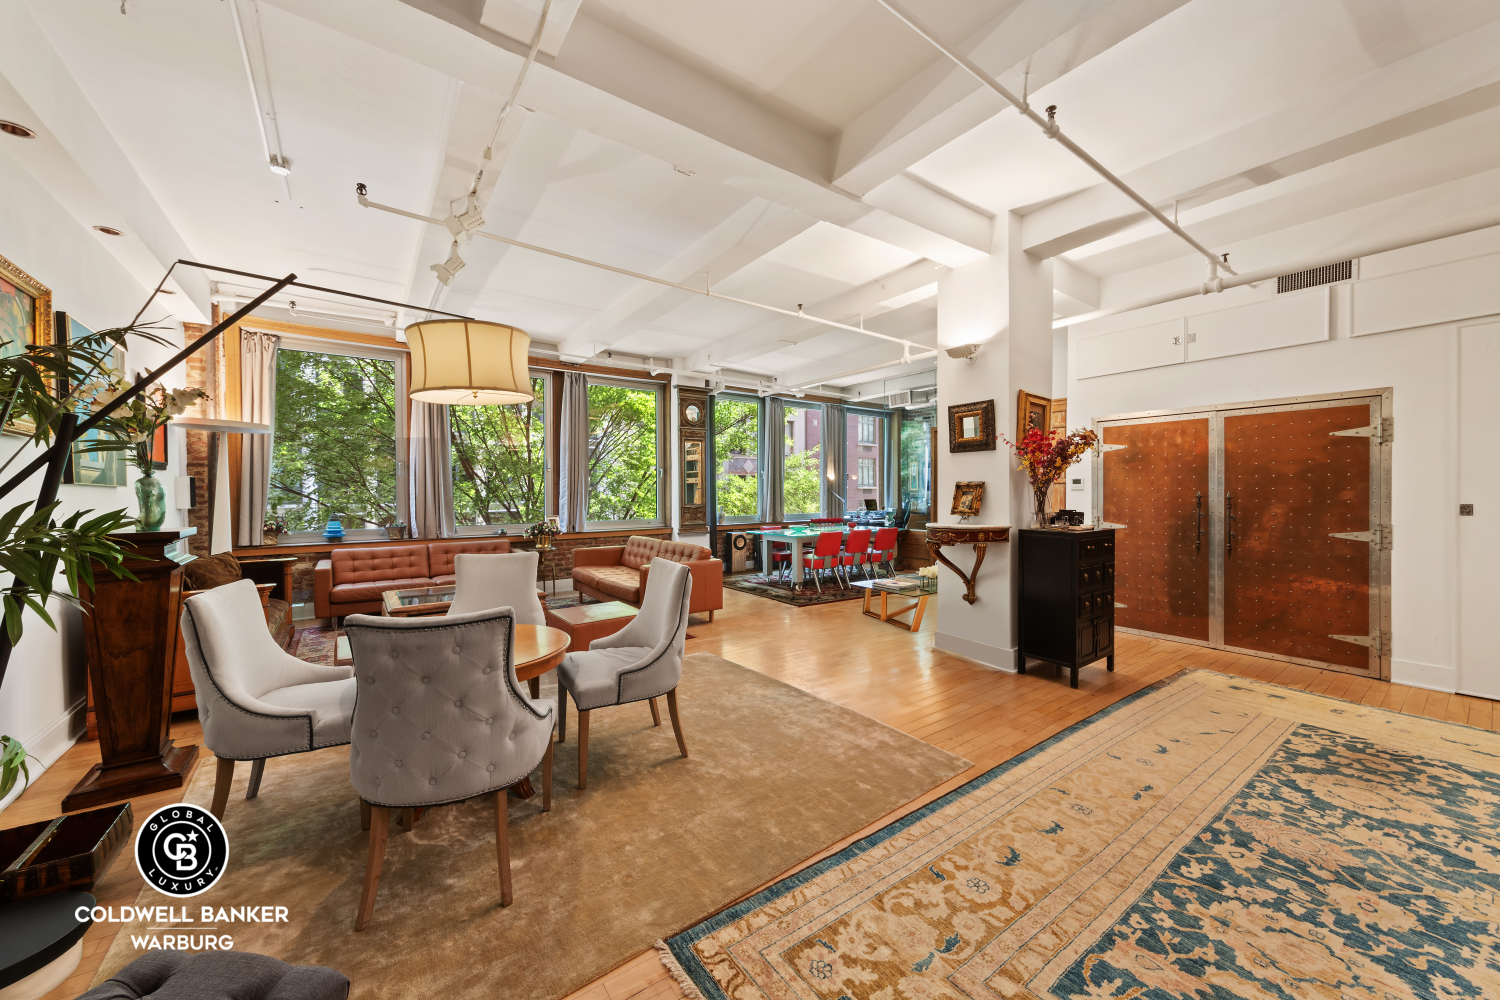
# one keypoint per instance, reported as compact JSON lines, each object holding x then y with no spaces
{"x":776,"y":590}
{"x":1208,"y":838}
{"x":654,"y":844}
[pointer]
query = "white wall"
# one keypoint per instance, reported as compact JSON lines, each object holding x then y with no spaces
{"x":42,"y":700}
{"x":1420,"y":364}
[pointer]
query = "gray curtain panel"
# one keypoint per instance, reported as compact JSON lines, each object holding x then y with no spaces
{"x":573,"y":483}
{"x":258,"y":405}
{"x":891,"y":460}
{"x":772,"y":451}
{"x":431,"y":487}
{"x":835,"y":455}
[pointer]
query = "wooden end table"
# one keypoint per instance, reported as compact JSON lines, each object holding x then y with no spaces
{"x":588,"y":622}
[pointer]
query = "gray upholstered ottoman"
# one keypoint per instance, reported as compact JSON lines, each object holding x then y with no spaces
{"x":223,"y":975}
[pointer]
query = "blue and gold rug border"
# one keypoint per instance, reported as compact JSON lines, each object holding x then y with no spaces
{"x":680,"y":946}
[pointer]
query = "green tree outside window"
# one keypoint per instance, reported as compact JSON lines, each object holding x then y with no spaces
{"x":736,"y":456}
{"x":622,"y":460}
{"x":500,"y":461}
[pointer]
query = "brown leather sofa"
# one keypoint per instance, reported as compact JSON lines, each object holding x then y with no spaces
{"x":619,"y":572}
{"x":352,"y":581}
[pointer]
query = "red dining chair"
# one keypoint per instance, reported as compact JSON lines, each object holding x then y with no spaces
{"x":825,"y":555}
{"x":856,"y":552}
{"x":883,"y":550}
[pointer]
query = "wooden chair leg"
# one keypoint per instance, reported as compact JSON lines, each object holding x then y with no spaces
{"x":536,"y":687}
{"x":547,"y":778}
{"x":710,"y":621}
{"x":223,"y":778}
{"x":257,"y":769}
{"x":562,"y":714}
{"x":364,"y":814}
{"x":502,"y":844}
{"x":583,"y":749}
{"x":676,"y":720}
{"x":380,"y":826}
{"x":655,"y":713}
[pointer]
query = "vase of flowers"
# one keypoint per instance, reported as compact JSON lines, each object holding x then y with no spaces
{"x":1044,"y":457}
{"x":146,"y":414}
{"x":543,"y":532}
{"x":272,"y":530}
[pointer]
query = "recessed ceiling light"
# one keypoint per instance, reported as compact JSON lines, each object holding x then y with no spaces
{"x":19,"y":131}
{"x":108,"y":231}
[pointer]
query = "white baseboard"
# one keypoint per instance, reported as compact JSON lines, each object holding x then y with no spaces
{"x":1430,"y":676}
{"x":49,"y":744}
{"x":982,"y":653}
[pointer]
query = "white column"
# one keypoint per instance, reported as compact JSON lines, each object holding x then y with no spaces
{"x":1003,"y":302}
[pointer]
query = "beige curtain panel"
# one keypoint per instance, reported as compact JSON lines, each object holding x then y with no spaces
{"x":431,"y":488}
{"x":258,"y":406}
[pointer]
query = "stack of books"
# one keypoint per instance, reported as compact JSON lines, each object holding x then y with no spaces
{"x":901,"y":585}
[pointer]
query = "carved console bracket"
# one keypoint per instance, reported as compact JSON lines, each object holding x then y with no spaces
{"x":977,"y":535}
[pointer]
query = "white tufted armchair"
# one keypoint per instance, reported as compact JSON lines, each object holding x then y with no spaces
{"x":439,"y":718}
{"x":255,"y":700}
{"x":641,"y":662}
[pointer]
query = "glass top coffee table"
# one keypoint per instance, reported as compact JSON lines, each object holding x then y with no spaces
{"x":909,"y":585}
{"x":419,"y":601}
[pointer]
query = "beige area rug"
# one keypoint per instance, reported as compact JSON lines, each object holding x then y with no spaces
{"x":1210,"y":838}
{"x":654,"y":844}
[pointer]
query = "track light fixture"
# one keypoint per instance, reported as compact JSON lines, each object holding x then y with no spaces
{"x":280,"y":165}
{"x":965,"y":353}
{"x":448,"y":269}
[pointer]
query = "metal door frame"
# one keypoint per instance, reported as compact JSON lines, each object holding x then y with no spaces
{"x":1382,"y":410}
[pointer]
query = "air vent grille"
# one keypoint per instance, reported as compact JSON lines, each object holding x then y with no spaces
{"x":1325,"y":275}
{"x":898,"y":398}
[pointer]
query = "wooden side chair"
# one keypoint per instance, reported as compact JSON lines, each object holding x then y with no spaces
{"x":641,"y":662}
{"x":440,"y":718}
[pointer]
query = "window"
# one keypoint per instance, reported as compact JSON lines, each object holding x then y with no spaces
{"x":338,"y":418}
{"x":864,"y":460}
{"x":499,"y":462}
{"x":625,"y":449}
{"x":916,"y":458}
{"x":737,"y":457}
{"x":802,"y":464}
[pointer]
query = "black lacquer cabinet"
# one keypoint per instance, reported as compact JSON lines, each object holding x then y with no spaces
{"x":1066,"y":599}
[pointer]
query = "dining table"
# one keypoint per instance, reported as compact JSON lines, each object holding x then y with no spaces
{"x":796,"y":538}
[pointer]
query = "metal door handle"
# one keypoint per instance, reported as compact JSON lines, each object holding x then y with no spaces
{"x":1198,"y":523}
{"x":1229,"y":520}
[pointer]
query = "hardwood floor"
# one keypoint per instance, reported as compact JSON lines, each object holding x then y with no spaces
{"x":886,"y":673}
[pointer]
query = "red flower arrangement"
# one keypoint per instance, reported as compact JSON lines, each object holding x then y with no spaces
{"x":1044,"y":456}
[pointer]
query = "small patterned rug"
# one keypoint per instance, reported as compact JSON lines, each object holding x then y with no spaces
{"x":1209,"y":837}
{"x":315,"y":644}
{"x":776,"y":590}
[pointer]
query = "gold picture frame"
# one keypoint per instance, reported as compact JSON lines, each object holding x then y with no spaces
{"x":971,"y":426}
{"x":967,"y":498}
{"x":25,"y":319}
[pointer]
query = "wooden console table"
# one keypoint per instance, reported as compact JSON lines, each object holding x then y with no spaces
{"x":977,"y":535}
{"x":130,"y":640}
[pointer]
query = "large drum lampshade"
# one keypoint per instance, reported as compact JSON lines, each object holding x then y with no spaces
{"x":469,"y":363}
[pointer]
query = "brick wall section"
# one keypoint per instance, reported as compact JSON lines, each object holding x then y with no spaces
{"x":199,"y":374}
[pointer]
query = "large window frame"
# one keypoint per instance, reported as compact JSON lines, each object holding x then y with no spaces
{"x":760,"y":464}
{"x":663,"y":516}
{"x":549,"y":461}
{"x":877,"y":421}
{"x":780,"y":441}
{"x":313,"y":345}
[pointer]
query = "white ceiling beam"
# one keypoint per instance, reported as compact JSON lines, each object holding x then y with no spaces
{"x":833,"y":368}
{"x":865,"y":300}
{"x":79,"y":162}
{"x":1416,"y":94}
{"x":908,"y":198}
{"x":757,"y":228}
{"x":518,"y":19}
{"x":1030,"y":44}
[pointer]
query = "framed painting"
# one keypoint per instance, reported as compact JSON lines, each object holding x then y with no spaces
{"x":971,"y":426}
{"x":967,"y":498}
{"x":25,"y":319}
{"x":159,"y":448}
{"x":86,"y":467}
{"x":1032,"y":411}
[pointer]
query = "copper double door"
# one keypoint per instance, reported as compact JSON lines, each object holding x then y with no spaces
{"x":1257,"y":527}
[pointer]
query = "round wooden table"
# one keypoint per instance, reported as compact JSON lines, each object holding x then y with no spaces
{"x":539,"y":648}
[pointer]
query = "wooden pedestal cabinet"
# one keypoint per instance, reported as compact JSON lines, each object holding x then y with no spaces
{"x":1066,"y":599}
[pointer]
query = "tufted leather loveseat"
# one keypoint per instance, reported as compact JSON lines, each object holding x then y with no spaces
{"x":619,"y":572}
{"x":352,"y":581}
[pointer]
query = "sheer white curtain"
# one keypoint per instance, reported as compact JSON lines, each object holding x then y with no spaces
{"x":431,"y":489}
{"x":573,"y":483}
{"x":258,"y":406}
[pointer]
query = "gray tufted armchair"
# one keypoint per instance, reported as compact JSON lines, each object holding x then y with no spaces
{"x":640,"y":662}
{"x":439,"y":718}
{"x":255,"y":700}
